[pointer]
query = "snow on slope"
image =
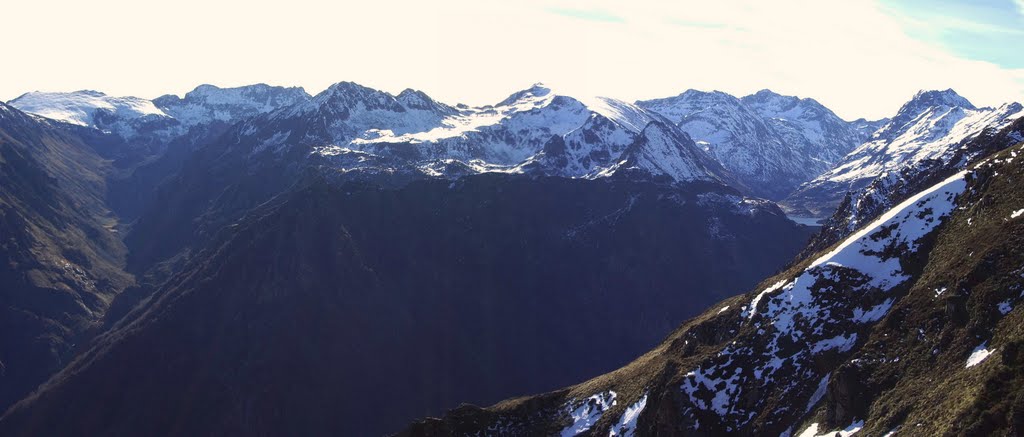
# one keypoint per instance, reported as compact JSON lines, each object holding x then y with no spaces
{"x":771,"y":142}
{"x":933,"y":134}
{"x":928,"y":130}
{"x":162,"y":118}
{"x":588,"y":412}
{"x":626,"y":427}
{"x":515,"y":129}
{"x":661,"y":150}
{"x":813,"y":314}
{"x":82,"y":107}
{"x":978,"y":355}
{"x":535,"y":130}
{"x":209,"y":102}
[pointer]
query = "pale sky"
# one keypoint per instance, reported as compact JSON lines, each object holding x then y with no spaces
{"x":860,"y":58}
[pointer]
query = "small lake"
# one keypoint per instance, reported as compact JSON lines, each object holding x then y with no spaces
{"x":808,"y":221}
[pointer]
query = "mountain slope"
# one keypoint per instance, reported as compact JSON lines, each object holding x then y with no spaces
{"x":62,"y":257}
{"x":771,"y":143}
{"x":350,"y":309}
{"x":928,"y":130}
{"x":90,"y":108}
{"x":908,"y":326}
{"x":863,"y":206}
{"x":357,"y":133}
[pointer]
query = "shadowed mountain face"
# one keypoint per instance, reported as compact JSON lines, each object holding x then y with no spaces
{"x":350,"y":309}
{"x":60,"y":255}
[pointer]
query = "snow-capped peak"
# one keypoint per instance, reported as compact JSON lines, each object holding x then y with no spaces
{"x":349,"y":94}
{"x":922,"y":102}
{"x":948,"y":97}
{"x":209,"y":102}
{"x":82,"y":107}
{"x":534,"y":93}
{"x":416,"y":99}
{"x":930,"y":129}
{"x":663,"y":150}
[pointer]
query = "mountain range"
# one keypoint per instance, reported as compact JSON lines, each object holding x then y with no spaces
{"x":772,"y":143}
{"x":273,"y":262}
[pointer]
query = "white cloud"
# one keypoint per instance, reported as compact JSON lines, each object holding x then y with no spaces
{"x":851,"y":56}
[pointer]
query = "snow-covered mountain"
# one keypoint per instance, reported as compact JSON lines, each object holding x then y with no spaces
{"x":662,"y":150}
{"x":160,"y":120}
{"x":772,"y":143}
{"x":928,"y":130}
{"x":124,"y":116}
{"x":230,"y":105}
{"x":533,"y":130}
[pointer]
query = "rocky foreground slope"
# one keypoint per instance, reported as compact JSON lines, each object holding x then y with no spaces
{"x":909,"y":326}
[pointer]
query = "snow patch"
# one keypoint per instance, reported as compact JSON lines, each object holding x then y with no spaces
{"x":588,"y":413}
{"x":818,"y":393}
{"x":627,"y":423}
{"x":978,"y":355}
{"x":874,"y":314}
{"x":812,"y":430}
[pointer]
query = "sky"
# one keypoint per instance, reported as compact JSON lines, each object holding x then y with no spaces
{"x":861,"y":58}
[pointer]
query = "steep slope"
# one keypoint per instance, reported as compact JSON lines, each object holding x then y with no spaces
{"x":910,"y":326}
{"x":663,"y":152}
{"x":771,"y":143}
{"x":350,"y":310}
{"x":929,"y":130}
{"x":863,"y":206}
{"x":61,"y":254}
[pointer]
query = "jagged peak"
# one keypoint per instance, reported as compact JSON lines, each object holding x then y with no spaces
{"x":348,"y":87}
{"x":411,"y":96}
{"x":947,"y":97}
{"x":767,"y":93}
{"x":694,"y":93}
{"x":922,"y":102}
{"x":207,"y":91}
